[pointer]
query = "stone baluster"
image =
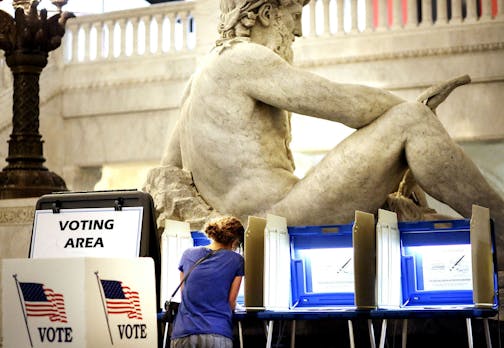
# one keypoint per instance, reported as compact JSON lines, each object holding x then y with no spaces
{"x":92,"y":42}
{"x":147,"y":23}
{"x":354,"y":25}
{"x":158,"y":18}
{"x":313,"y":19}
{"x":173,"y":21}
{"x":99,"y":40}
{"x":382,"y":15}
{"x":369,"y":16}
{"x":441,"y":12}
{"x":456,"y":11}
{"x":341,"y":16}
{"x":185,"y":28}
{"x":111,"y":28}
{"x":472,"y":15}
{"x":412,"y":14}
{"x":122,"y":26}
{"x":86,"y":30}
{"x":486,"y":10}
{"x":397,"y":19}
{"x":426,"y":13}
{"x":73,"y":30}
{"x":156,"y":47}
{"x":81,"y":38}
{"x":134,"y":24}
{"x":327,"y":18}
{"x":500,"y":9}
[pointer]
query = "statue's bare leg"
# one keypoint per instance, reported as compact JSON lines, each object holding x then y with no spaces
{"x":362,"y":170}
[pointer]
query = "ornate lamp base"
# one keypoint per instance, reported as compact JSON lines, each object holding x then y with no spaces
{"x":19,"y":183}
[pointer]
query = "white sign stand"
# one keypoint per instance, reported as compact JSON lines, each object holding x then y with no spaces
{"x":79,"y":302}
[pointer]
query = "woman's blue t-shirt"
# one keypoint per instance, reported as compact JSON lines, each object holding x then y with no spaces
{"x":205,"y":308}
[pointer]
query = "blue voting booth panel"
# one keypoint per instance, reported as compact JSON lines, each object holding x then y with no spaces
{"x":436,"y":263}
{"x":200,"y":238}
{"x":321,"y":266}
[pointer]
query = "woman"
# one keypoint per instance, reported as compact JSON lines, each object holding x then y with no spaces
{"x":209,"y":293}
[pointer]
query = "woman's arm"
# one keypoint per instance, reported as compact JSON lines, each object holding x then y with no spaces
{"x":233,"y":291}
{"x":181,"y":278}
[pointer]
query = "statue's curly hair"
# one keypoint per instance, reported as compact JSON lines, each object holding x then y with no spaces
{"x":239,"y":16}
{"x":225,"y":230}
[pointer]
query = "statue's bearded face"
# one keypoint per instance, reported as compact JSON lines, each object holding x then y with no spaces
{"x":287,"y":25}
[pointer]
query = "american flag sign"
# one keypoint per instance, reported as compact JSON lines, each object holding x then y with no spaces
{"x":40,"y":301}
{"x":120,"y":299}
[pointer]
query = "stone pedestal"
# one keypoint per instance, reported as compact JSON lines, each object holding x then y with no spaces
{"x":16,"y":220}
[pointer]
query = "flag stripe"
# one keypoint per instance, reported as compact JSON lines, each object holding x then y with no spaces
{"x":121,"y":299}
{"x":40,"y":301}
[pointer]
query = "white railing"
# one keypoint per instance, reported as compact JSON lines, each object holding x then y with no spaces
{"x":336,"y":17}
{"x":146,"y":31}
{"x":172,"y":27}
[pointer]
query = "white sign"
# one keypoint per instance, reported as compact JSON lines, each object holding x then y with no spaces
{"x":332,"y":269}
{"x":446,"y":267}
{"x":79,"y":303}
{"x":97,"y":232}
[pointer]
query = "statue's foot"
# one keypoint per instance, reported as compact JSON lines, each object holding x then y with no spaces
{"x":436,"y":94}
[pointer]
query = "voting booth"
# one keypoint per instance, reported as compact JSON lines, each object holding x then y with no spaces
{"x":319,"y":267}
{"x":365,"y":270}
{"x":322,"y":266}
{"x":93,"y":256}
{"x":436,"y":263}
{"x":387,"y":265}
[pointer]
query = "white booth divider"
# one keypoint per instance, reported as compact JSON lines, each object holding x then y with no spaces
{"x":175,"y":239}
{"x":388,"y":260}
{"x":276,"y":263}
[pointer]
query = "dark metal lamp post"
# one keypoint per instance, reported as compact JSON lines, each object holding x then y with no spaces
{"x":27,"y":39}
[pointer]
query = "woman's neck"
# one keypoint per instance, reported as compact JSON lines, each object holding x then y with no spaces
{"x":216,"y":246}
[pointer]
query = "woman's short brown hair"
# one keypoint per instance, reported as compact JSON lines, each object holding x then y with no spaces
{"x":225,"y":230}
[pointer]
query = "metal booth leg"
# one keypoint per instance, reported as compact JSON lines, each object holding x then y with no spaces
{"x":350,"y":334}
{"x":371,"y":333}
{"x":404,"y":333}
{"x":269,"y":333}
{"x":240,"y":333}
{"x":293,"y":334}
{"x":487,"y":333}
{"x":383,"y":334}
{"x":469,"y":333}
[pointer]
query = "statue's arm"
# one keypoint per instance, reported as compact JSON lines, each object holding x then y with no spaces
{"x":275,"y":82}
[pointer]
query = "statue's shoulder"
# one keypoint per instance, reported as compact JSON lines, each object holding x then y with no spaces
{"x":244,"y":49}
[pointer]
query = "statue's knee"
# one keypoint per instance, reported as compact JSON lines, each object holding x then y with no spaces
{"x":417,"y":108}
{"x":416,"y":111}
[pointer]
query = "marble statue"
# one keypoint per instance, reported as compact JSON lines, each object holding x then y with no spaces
{"x":231,"y":143}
